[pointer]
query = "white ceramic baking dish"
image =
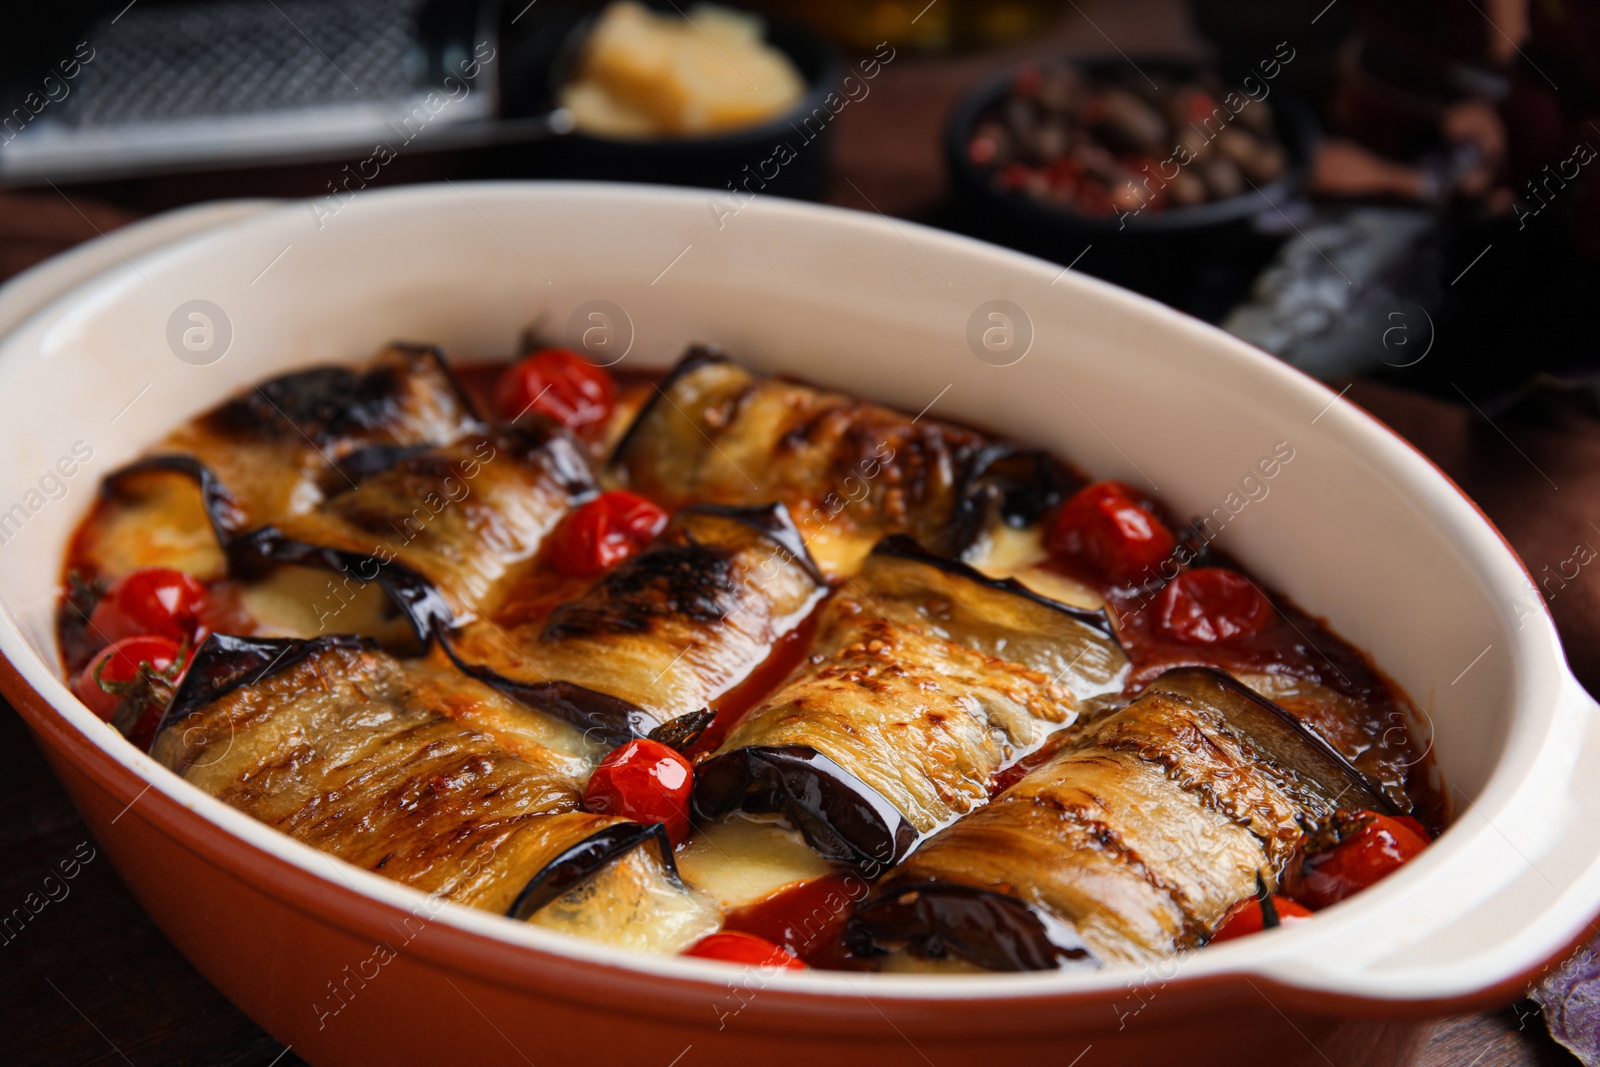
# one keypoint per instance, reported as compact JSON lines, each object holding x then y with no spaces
{"x":1358,"y":528}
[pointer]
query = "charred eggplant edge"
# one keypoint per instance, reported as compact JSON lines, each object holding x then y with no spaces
{"x":935,"y":919}
{"x":225,"y":662}
{"x":447,"y":368}
{"x":217,"y":499}
{"x":697,"y":356}
{"x":583,"y":861}
{"x":980,"y":491}
{"x":841,"y":817}
{"x":1355,"y":779}
{"x":904,"y":546}
{"x":602,"y":717}
{"x":771,"y":521}
{"x":417,"y":598}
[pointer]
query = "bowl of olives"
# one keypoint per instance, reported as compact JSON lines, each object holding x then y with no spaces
{"x":1135,"y":157}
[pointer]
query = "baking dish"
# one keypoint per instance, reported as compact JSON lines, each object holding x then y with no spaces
{"x":351,"y":968}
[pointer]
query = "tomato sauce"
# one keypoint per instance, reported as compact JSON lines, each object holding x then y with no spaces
{"x":807,"y":919}
{"x":1374,"y":728}
{"x":786,"y":654}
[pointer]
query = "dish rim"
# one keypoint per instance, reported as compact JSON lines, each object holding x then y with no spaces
{"x":1245,"y":960}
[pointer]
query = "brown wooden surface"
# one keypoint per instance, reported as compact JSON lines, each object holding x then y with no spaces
{"x":90,"y":979}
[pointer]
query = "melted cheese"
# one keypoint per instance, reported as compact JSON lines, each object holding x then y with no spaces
{"x":1009,"y":552}
{"x":632,"y":904}
{"x":306,"y":602}
{"x":738,"y":860}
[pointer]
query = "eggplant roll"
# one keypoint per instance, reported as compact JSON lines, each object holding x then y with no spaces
{"x":665,"y":632}
{"x":925,"y":679}
{"x":1127,"y":846}
{"x":441,"y":528}
{"x":849,"y":471}
{"x":424,"y":776}
{"x":270,"y":453}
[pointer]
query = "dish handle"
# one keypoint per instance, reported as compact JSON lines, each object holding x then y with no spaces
{"x":1507,"y":894}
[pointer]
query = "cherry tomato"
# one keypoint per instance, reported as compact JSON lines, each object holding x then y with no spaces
{"x":1211,"y":605}
{"x":1246,"y":917}
{"x":604,"y":532}
{"x":743,"y":948}
{"x":1353,"y":853}
{"x":1105,"y":526}
{"x":112,"y":678}
{"x":1414,"y":826}
{"x":153,"y":600}
{"x":559,"y":383}
{"x":644,"y":781}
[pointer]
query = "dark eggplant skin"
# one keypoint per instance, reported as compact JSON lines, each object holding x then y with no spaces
{"x":849,"y":471}
{"x":424,"y":607}
{"x":224,"y":662}
{"x":222,"y":508}
{"x":903,"y":547}
{"x":925,"y":679}
{"x":1283,"y":739}
{"x":586,"y":859}
{"x":603,"y":718}
{"x":941,"y":920}
{"x":681,"y":733}
{"x":842,"y":818}
{"x":1141,"y":835}
{"x":665,"y":632}
{"x":334,"y":407}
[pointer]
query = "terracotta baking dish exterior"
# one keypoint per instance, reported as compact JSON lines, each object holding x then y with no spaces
{"x":350,"y":968}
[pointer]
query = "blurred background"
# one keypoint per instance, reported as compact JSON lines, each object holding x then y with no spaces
{"x":1342,"y":183}
{"x":1398,"y":197}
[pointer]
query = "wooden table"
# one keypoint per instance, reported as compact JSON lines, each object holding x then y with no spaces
{"x":91,"y":980}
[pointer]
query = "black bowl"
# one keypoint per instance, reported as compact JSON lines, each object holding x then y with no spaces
{"x":543,"y":60}
{"x":1159,"y":253}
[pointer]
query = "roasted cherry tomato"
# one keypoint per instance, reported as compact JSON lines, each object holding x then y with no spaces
{"x":604,"y":532}
{"x":559,"y":383}
{"x":1247,"y":917}
{"x":1212,"y":605}
{"x":644,"y":781}
{"x":1351,"y":853}
{"x":1105,"y":526}
{"x":128,"y":683}
{"x":153,"y":600}
{"x":743,"y":948}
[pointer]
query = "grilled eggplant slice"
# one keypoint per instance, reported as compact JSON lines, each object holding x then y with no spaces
{"x":662,"y":634}
{"x":422,"y":775}
{"x":441,"y":528}
{"x":925,"y":679}
{"x":276,"y":446}
{"x":850,"y":472}
{"x":271,"y":453}
{"x":1137,"y":840}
